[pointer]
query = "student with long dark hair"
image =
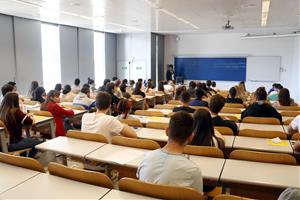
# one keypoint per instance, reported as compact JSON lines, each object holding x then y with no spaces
{"x":14,"y":119}
{"x":39,"y":95}
{"x":232,"y":97}
{"x":284,"y":98}
{"x":124,"y":107}
{"x":33,"y":86}
{"x":138,"y":89}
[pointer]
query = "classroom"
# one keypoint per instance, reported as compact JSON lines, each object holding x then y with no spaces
{"x":150,"y":99}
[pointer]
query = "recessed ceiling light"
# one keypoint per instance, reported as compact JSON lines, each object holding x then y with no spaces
{"x":75,"y":4}
{"x":251,"y":5}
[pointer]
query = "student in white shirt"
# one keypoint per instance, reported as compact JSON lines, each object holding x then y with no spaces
{"x":83,"y":99}
{"x":169,"y":165}
{"x":76,"y":87}
{"x":100,"y":122}
{"x":294,"y":126}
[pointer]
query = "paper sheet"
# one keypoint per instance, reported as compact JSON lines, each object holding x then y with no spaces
{"x":281,"y":143}
{"x":124,"y":156}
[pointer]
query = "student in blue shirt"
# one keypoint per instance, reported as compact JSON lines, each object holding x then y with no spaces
{"x":200,"y":94}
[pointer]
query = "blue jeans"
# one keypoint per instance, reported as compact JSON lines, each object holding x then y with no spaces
{"x":24,"y":144}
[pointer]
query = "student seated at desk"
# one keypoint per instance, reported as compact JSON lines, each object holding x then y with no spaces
{"x":261,"y":108}
{"x":216,"y":104}
{"x":169,"y":165}
{"x":118,"y":91}
{"x":178,"y":92}
{"x":100,"y":122}
{"x":33,"y":86}
{"x":138,"y":90}
{"x":184,"y":100}
{"x":124,"y":107}
{"x":290,"y":194}
{"x":5,"y":89}
{"x":58,"y":87}
{"x":192,"y":89}
{"x":294,"y":126}
{"x":67,"y":94}
{"x":273,"y":96}
{"x":76,"y":86}
{"x":232,"y":97}
{"x":39,"y":95}
{"x":103,"y":87}
{"x":83,"y":99}
{"x":204,"y":133}
{"x":58,"y":112}
{"x":200,"y":94}
{"x":284,"y":98}
{"x":14,"y":119}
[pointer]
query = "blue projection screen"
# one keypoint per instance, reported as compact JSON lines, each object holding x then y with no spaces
{"x":221,"y":69}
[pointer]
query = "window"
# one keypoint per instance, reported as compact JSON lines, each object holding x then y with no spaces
{"x":51,"y":56}
{"x":99,"y":57}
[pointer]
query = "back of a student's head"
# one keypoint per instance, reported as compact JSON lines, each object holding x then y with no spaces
{"x":208,"y":83}
{"x":123,"y":88}
{"x":140,"y":80}
{"x":200,"y":94}
{"x":124,"y":107}
{"x":160,"y":86}
{"x":14,"y":84}
{"x":38,"y":93}
{"x":213,"y":84}
{"x":278,"y":87}
{"x":185,"y":97}
{"x":58,"y":87}
{"x":125,"y":81}
{"x":216,"y":103}
{"x":77,"y":82}
{"x":85,"y":90}
{"x":114,"y":78}
{"x":103,"y":101}
{"x":261,"y":94}
{"x":192,"y":84}
{"x":138,"y":87}
{"x":6,"y":88}
{"x":180,"y":127}
{"x":106,"y":81}
{"x":67,"y":89}
{"x":110,"y":87}
{"x":118,"y":83}
{"x":232,"y":92}
{"x":284,"y":97}
{"x":9,"y":102}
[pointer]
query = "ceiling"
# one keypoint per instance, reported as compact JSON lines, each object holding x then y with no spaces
{"x":161,"y":16}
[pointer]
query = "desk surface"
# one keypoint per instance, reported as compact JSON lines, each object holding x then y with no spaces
{"x":261,"y":144}
{"x":164,"y":111}
{"x":45,"y":186}
{"x":147,"y":119}
{"x":152,"y":134}
{"x":70,"y":146}
{"x":263,"y":127}
{"x":11,"y":176}
{"x":120,"y":195}
{"x":265,"y":174}
{"x":40,"y":119}
{"x":79,"y":112}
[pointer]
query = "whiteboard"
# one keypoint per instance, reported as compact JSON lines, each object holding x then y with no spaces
{"x":265,"y":68}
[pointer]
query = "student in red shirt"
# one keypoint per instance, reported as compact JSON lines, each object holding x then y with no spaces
{"x":58,"y":112}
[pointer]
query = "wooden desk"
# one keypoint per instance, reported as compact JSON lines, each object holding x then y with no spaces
{"x":79,"y":113}
{"x":262,"y":127}
{"x":45,"y":186}
{"x":11,"y":175}
{"x":229,"y":140}
{"x":120,"y":195}
{"x":261,"y":174}
{"x":3,"y":140}
{"x":260,"y":144}
{"x":146,"y":119}
{"x":166,"y":112}
{"x":43,"y":120}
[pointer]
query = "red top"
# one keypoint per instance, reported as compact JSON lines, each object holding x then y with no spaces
{"x":58,"y":114}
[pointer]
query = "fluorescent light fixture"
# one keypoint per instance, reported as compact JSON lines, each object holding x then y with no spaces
{"x":248,"y":36}
{"x":265,"y":12}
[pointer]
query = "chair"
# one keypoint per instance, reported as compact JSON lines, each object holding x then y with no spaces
{"x":229,"y":197}
{"x":89,"y":177}
{"x":257,"y":156}
{"x":234,"y":105}
{"x":149,"y":113}
{"x":261,"y":120}
{"x":96,"y":137}
{"x":290,"y":113}
{"x":296,"y":136}
{"x":165,"y":106}
{"x":158,"y":191}
{"x":135,"y":143}
{"x":41,"y":113}
{"x":294,"y":108}
{"x":174,"y":102}
{"x":203,"y":151}
{"x":262,"y":134}
{"x":231,"y":110}
{"x":287,"y":122}
{"x":224,"y":130}
{"x":157,"y":125}
{"x":28,"y":163}
{"x":132,"y":122}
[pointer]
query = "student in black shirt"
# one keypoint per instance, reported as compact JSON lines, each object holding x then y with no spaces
{"x":216,"y":104}
{"x":232,"y":97}
{"x":185,"y":99}
{"x":261,"y":108}
{"x":200,"y":94}
{"x":137,"y":89}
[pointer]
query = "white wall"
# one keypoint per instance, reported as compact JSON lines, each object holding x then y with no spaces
{"x":232,"y":45}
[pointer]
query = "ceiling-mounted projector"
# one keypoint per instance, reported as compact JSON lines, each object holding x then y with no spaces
{"x":227,"y":26}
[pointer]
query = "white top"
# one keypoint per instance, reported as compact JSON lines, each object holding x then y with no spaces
{"x":163,"y":167}
{"x":70,"y":146}
{"x":264,"y":174}
{"x":295,"y":124}
{"x":12,"y":175}
{"x":101,"y":123}
{"x":75,"y":89}
{"x":45,"y":186}
{"x":82,"y":99}
{"x":120,"y":195}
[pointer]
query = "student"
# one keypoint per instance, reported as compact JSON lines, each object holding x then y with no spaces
{"x":100,"y":122}
{"x":290,"y":194}
{"x":76,"y":86}
{"x":103,"y":87}
{"x":150,"y":88}
{"x":294,"y":126}
{"x":114,"y":79}
{"x":118,"y":91}
{"x":138,"y":89}
{"x":185,"y":99}
{"x":284,"y":98}
{"x":110,"y":89}
{"x":130,"y":88}
{"x":5,"y":89}
{"x":14,"y":119}
{"x":215,"y":105}
{"x":170,"y":73}
{"x":67,"y":94}
{"x":192,"y":89}
{"x":123,"y":108}
{"x":273,"y":88}
{"x":14,"y":85}
{"x":179,"y":91}
{"x":199,"y":99}
{"x":33,"y":86}
{"x":169,"y":165}
{"x":214,"y":86}
{"x":58,"y":87}
{"x":209,"y":88}
{"x":83,"y":99}
{"x":261,"y":108}
{"x":273,"y":96}
{"x":39,"y":95}
{"x":160,"y":87}
{"x":232,"y":97}
{"x":57,"y":111}
{"x":92,"y":85}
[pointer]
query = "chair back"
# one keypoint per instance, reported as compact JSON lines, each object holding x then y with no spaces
{"x":203,"y":151}
{"x":296,"y":136}
{"x":295,"y":108}
{"x":135,"y":143}
{"x":96,"y":137}
{"x":89,"y":177}
{"x":28,"y":163}
{"x":290,"y":113}
{"x":132,"y":122}
{"x":234,"y":105}
{"x":41,"y":113}
{"x":158,"y":191}
{"x":262,"y":134}
{"x":230,"y":117}
{"x":73,"y":107}
{"x":229,"y":197}
{"x":157,"y":125}
{"x":287,"y":122}
{"x":174,"y":102}
{"x":199,"y":107}
{"x":231,"y":110}
{"x":165,"y":106}
{"x":257,"y":156}
{"x":224,"y":130}
{"x":149,"y":113}
{"x":261,"y":120}
{"x":31,"y":103}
